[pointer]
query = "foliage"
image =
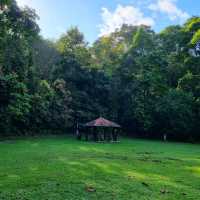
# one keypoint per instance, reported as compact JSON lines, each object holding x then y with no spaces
{"x":146,"y":81}
{"x":175,"y":113}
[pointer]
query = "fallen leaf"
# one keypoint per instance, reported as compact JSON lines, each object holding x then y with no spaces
{"x":90,"y":188}
{"x":164,"y":191}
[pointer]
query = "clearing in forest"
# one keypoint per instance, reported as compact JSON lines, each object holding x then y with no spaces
{"x":63,"y":168}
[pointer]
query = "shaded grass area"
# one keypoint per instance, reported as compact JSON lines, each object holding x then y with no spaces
{"x":63,"y":168}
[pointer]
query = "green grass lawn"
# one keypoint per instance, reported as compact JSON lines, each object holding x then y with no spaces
{"x":58,"y":168}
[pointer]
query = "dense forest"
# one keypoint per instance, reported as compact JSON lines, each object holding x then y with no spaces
{"x":146,"y":81}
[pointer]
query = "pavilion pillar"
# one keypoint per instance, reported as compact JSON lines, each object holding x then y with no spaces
{"x":109,"y":135}
{"x":115,"y":134}
{"x":95,"y":134}
{"x":104,"y":134}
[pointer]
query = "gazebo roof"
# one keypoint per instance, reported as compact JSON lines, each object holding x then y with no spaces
{"x":101,"y":122}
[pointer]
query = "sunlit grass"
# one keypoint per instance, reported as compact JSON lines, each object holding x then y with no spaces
{"x":63,"y":168}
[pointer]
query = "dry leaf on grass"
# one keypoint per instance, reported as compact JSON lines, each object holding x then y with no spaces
{"x":90,"y":188}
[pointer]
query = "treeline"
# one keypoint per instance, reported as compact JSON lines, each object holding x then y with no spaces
{"x":148,"y":82}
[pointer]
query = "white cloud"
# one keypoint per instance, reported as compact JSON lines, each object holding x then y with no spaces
{"x":23,"y":3}
{"x":122,"y":15}
{"x":170,"y":8}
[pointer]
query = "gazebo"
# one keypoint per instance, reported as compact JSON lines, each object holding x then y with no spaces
{"x":102,"y":130}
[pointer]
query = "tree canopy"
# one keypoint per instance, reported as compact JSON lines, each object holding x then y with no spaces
{"x":148,"y":82}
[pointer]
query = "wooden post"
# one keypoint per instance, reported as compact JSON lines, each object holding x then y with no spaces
{"x":104,"y":134}
{"x":78,"y":134}
{"x":101,"y":135}
{"x":113,"y":135}
{"x":109,"y":135}
{"x":95,"y":134}
{"x":165,"y":137}
{"x":116,"y":135}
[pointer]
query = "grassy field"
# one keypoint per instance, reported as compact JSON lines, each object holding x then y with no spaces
{"x":58,"y":168}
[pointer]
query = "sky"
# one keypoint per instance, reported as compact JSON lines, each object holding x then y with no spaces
{"x":101,"y":17}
